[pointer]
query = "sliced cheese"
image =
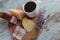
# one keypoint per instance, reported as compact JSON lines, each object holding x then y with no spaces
{"x":18,"y":13}
{"x":28,"y":24}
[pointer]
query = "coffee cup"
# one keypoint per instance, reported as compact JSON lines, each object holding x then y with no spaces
{"x":31,"y":8}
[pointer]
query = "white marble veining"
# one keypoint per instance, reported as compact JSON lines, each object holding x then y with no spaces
{"x":51,"y":6}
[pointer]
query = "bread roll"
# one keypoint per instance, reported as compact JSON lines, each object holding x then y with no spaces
{"x":18,"y":13}
{"x":28,"y":24}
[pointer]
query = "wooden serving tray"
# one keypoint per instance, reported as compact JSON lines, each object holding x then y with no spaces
{"x":29,"y":35}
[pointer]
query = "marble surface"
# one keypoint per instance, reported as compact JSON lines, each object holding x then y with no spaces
{"x":50,"y":7}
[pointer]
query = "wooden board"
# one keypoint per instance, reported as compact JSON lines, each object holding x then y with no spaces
{"x":28,"y":36}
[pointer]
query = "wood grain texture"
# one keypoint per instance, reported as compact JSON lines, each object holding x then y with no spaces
{"x":29,"y":35}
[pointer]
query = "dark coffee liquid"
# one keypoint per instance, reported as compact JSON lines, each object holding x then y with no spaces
{"x":30,"y":6}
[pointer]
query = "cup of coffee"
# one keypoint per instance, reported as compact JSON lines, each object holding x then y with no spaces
{"x":30,"y":8}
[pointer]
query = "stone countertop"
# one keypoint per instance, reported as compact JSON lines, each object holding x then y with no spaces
{"x":51,"y":6}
